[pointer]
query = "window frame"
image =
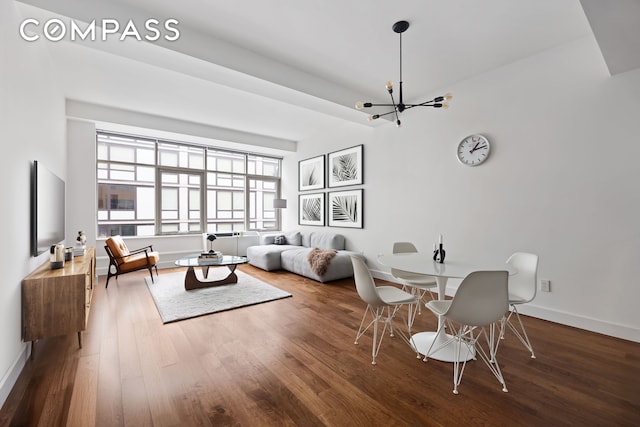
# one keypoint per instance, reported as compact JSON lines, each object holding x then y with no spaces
{"x":209,"y":151}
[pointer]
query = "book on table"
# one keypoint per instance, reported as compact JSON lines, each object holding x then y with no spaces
{"x":209,"y":258}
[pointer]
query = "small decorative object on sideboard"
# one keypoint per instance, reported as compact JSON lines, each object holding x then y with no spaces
{"x":56,"y":256}
{"x":81,"y":239}
{"x":438,"y":251}
{"x":80,"y":248}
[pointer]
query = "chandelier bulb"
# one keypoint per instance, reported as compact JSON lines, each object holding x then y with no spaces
{"x":359,"y":105}
{"x":447,"y":97}
{"x":398,"y":123}
{"x":445,"y":105}
{"x":389,"y":86}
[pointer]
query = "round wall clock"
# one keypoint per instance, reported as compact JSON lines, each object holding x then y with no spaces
{"x":473,"y":150}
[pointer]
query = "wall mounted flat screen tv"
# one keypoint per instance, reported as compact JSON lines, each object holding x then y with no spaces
{"x":47,"y":209}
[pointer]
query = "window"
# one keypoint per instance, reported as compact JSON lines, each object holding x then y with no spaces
{"x":261,"y":195}
{"x":152,"y":187}
{"x":180,"y":202}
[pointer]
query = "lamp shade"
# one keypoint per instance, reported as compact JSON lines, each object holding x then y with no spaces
{"x":279,"y":203}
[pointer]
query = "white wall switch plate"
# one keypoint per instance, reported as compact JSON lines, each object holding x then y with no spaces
{"x":545,"y":285}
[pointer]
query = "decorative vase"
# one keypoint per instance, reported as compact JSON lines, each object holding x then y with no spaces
{"x":439,"y":254}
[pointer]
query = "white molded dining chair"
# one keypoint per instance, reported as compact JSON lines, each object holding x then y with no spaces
{"x":522,"y":289}
{"x":379,"y":299}
{"x":419,"y":284}
{"x":480,"y":301}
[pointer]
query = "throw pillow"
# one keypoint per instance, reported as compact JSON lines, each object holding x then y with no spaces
{"x":280,"y":240}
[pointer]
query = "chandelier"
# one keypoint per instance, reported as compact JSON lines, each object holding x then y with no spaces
{"x":437,"y":102}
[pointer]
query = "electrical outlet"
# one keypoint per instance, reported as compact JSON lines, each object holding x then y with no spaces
{"x":545,"y":285}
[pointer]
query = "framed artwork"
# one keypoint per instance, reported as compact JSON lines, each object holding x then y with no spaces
{"x":345,"y":167}
{"x":311,"y":173}
{"x":311,"y":209}
{"x":345,"y":208}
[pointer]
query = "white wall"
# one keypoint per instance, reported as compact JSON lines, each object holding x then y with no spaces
{"x":33,"y":128}
{"x":81,"y":185}
{"x":562,"y":182}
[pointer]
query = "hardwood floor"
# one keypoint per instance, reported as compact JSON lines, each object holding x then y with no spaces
{"x":293,"y":362}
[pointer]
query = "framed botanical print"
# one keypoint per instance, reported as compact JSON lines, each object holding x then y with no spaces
{"x":345,"y":208}
{"x":311,"y":173}
{"x":311,"y":209}
{"x":345,"y":167}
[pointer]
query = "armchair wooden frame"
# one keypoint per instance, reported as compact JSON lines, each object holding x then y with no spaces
{"x":122,"y":264}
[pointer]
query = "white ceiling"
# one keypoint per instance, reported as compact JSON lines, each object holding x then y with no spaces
{"x":306,"y":57}
{"x":351,"y":43}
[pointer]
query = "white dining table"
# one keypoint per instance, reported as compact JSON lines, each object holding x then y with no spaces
{"x":421,"y":263}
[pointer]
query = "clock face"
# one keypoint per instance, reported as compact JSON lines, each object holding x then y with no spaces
{"x":473,"y":150}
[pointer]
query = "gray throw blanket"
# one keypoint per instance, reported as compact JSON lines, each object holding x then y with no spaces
{"x":319,"y":260}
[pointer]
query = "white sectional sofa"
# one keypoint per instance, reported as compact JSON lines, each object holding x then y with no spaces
{"x":292,"y":252}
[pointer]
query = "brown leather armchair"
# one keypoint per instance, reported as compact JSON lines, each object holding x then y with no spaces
{"x":122,"y":260}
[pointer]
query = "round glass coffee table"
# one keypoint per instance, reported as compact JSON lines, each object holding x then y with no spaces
{"x":191,"y":281}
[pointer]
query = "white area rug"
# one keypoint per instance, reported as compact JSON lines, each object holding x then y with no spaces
{"x":175,"y":303}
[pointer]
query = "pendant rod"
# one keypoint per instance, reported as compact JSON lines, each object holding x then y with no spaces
{"x":401,"y":100}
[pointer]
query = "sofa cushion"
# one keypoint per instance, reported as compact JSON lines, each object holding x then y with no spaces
{"x":267,"y":257}
{"x":291,"y":238}
{"x":327,"y":241}
{"x":267,"y":239}
{"x":295,"y":260}
{"x":305,"y":238}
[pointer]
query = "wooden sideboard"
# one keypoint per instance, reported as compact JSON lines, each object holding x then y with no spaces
{"x":57,"y":302}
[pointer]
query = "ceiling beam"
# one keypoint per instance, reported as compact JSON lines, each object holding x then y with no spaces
{"x":616,"y":26}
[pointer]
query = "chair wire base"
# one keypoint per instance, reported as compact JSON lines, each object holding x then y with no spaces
{"x":521,"y":334}
{"x":420,"y":294}
{"x":378,"y":316}
{"x":463,"y":334}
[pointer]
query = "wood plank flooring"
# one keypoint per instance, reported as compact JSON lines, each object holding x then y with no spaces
{"x":292,"y":362}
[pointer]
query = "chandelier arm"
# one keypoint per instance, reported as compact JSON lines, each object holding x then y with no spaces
{"x":385,"y":114}
{"x":395,"y":107}
{"x":431,"y":103}
{"x":380,"y":105}
{"x":424,"y":104}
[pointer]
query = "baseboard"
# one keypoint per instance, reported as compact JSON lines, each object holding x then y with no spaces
{"x":582,"y":322}
{"x":562,"y":317}
{"x":9,"y":380}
